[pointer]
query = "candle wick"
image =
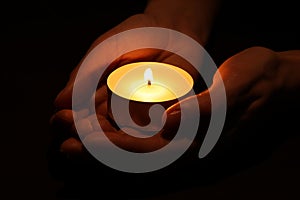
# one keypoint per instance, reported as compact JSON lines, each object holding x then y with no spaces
{"x":149,"y":82}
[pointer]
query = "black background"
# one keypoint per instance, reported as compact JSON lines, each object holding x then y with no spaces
{"x":41,"y":42}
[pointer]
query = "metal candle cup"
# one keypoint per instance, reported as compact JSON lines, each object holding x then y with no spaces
{"x":138,"y":86}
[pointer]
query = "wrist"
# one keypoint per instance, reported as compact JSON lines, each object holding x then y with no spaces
{"x":180,"y":25}
{"x":191,"y":17}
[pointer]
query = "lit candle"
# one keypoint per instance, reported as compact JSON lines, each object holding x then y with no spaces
{"x":145,"y":84}
{"x":150,"y":82}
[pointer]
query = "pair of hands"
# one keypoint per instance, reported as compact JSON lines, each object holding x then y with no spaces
{"x":254,"y":80}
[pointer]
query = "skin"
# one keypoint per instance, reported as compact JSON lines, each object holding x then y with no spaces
{"x":257,"y":80}
{"x":154,"y":16}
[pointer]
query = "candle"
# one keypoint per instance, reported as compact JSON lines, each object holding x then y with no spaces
{"x":150,"y":82}
{"x":140,"y":85}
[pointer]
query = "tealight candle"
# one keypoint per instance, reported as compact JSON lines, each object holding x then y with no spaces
{"x":145,"y":84}
{"x":150,"y":82}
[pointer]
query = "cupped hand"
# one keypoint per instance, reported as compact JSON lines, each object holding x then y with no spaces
{"x":260,"y":87}
{"x":63,"y":119}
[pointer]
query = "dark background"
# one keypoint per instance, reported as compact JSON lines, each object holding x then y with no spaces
{"x":42,"y":41}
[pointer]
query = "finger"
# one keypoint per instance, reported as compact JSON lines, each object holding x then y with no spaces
{"x":64,"y":99}
{"x":203,"y":102}
{"x":101,"y":141}
{"x":61,"y":124}
{"x":87,"y":125}
{"x":72,"y":146}
{"x":63,"y":118}
{"x":174,"y":115}
{"x":243,"y":71}
{"x":101,"y":94}
{"x":101,"y":100}
{"x":104,"y":123}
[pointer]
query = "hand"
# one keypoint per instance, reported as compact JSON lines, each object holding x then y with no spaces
{"x":156,"y":14}
{"x":63,"y":119}
{"x":261,"y":87}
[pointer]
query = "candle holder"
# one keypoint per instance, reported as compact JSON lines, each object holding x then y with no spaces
{"x":139,"y":113}
{"x":140,"y":92}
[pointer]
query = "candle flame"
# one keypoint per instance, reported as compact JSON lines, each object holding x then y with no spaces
{"x":148,"y":76}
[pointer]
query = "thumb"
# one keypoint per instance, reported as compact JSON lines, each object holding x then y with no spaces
{"x":187,"y":111}
{"x":212,"y":105}
{"x":202,"y":98}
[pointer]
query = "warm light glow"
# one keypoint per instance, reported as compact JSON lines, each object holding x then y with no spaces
{"x":169,"y":82}
{"x":152,"y":93}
